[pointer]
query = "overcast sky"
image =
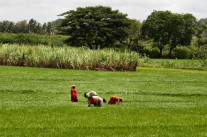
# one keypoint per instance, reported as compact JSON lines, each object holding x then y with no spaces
{"x":47,"y":10}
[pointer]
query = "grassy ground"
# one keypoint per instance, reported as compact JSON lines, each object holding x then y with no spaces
{"x":157,"y":102}
{"x":174,"y":63}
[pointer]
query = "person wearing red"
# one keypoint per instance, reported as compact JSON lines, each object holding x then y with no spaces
{"x":114,"y":99}
{"x":90,"y":94}
{"x":96,"y":101}
{"x":74,"y":97}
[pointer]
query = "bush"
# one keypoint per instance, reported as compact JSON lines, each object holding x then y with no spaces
{"x":203,"y":41}
{"x":152,"y":52}
{"x":202,"y":53}
{"x":31,"y":39}
{"x":138,"y":47}
{"x":7,"y":38}
{"x":145,"y":49}
{"x":183,"y":53}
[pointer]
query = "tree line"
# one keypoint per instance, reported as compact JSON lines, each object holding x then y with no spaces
{"x":32,"y":26}
{"x":99,"y":27}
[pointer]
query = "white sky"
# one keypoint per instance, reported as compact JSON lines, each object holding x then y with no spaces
{"x":47,"y":10}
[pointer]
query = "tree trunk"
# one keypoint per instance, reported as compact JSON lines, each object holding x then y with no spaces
{"x":96,"y":46}
{"x":129,"y":45}
{"x":199,"y":43}
{"x":101,"y":46}
{"x":90,"y":46}
{"x":160,"y":52}
{"x":170,"y":52}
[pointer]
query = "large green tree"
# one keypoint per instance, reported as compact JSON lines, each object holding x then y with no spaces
{"x":156,"y":27}
{"x":134,"y":32}
{"x":201,"y":25}
{"x":6,"y":26}
{"x":183,"y":27}
{"x":96,"y":27}
{"x":32,"y":26}
{"x":21,"y":27}
{"x":200,"y":34}
{"x":166,"y":28}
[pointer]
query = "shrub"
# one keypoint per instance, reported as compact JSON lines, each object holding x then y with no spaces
{"x":202,"y":52}
{"x":7,"y":38}
{"x":138,"y":47}
{"x":145,"y":49}
{"x":31,"y":39}
{"x":183,"y":53}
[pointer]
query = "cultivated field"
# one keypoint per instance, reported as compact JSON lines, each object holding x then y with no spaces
{"x":157,"y":102}
{"x":67,"y":57}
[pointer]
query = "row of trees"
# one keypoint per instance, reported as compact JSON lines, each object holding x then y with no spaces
{"x":102,"y":27}
{"x":99,"y":27}
{"x":32,"y":26}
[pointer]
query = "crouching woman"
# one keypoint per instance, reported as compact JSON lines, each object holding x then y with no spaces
{"x":96,"y":101}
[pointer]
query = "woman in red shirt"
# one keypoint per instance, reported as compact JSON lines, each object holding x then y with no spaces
{"x":114,"y":99}
{"x":74,"y":97}
{"x":96,"y":101}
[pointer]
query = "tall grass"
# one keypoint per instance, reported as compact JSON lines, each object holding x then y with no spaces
{"x":67,"y":57}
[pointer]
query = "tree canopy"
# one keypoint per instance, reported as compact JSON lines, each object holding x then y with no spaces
{"x":32,"y":26}
{"x":96,"y":27}
{"x":134,"y":32}
{"x":169,"y":28}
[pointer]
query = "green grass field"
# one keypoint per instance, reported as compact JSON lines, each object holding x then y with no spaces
{"x":157,"y":102}
{"x":174,"y":63}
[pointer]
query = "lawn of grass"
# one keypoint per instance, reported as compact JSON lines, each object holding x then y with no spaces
{"x":157,"y":102}
{"x":174,"y":63}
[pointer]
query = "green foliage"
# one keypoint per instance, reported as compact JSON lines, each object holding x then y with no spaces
{"x":156,"y":27}
{"x":183,"y":53}
{"x":202,"y":53}
{"x":191,"y":52}
{"x":32,"y":26}
{"x":138,"y":47}
{"x":201,"y":23}
{"x":7,"y":38}
{"x":156,"y":102}
{"x":32,"y":39}
{"x":21,"y":27}
{"x":6,"y":26}
{"x":134,"y":33}
{"x":145,"y":49}
{"x":152,"y":52}
{"x":95,"y":27}
{"x":200,"y":34}
{"x":66,"y":57}
{"x":169,"y":28}
{"x":202,"y":41}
